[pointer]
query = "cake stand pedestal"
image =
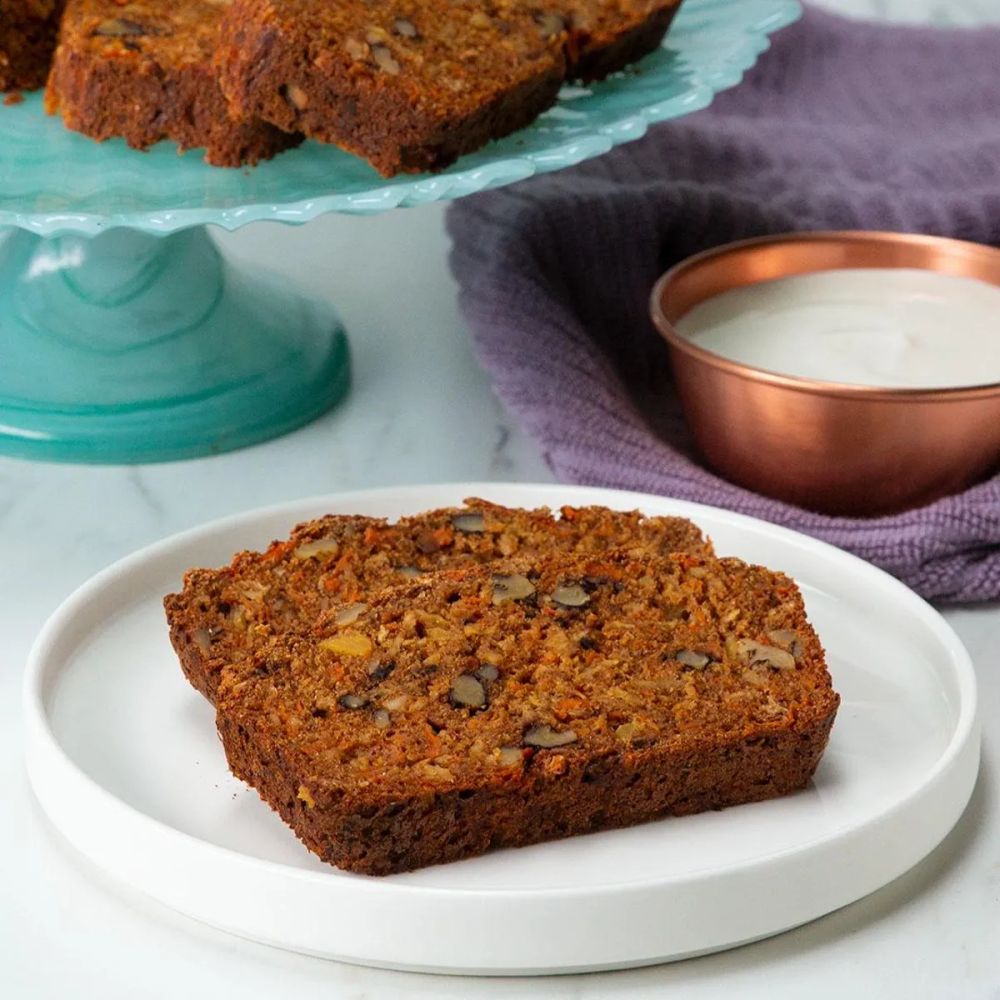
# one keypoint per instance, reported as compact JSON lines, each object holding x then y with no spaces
{"x":134,"y":347}
{"x":126,"y":337}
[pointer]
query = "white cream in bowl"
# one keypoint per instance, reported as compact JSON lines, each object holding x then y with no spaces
{"x":891,"y":327}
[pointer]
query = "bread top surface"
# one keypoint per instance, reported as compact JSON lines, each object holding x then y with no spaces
{"x":175,"y":34}
{"x":443,"y":56}
{"x":479,"y":676}
{"x":339,"y":559}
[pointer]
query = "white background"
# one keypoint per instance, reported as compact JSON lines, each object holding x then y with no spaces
{"x":420,"y":411}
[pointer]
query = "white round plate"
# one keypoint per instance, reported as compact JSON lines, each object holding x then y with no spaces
{"x":124,"y":758}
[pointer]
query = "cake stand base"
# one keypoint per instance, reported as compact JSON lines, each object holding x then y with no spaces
{"x":127,"y":347}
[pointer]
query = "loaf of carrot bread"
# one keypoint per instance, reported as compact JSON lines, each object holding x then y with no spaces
{"x":497,"y":705}
{"x":409,"y":85}
{"x":339,"y":560}
{"x":142,"y":70}
{"x":27,"y":36}
{"x":412,"y":85}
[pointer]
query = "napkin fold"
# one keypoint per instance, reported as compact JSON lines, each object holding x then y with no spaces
{"x":842,"y":125}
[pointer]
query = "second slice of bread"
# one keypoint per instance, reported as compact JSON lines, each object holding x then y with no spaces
{"x":339,"y":560}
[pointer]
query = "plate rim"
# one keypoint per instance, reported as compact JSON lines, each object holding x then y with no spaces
{"x":42,"y":665}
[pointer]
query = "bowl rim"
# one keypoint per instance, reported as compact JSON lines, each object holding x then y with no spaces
{"x":801,"y":383}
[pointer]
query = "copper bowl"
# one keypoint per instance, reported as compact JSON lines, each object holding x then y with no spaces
{"x":827,"y":446}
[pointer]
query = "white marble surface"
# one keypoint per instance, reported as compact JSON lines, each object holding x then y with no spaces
{"x":420,"y":411}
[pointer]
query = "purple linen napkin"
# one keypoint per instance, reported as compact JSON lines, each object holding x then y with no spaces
{"x":842,"y":125}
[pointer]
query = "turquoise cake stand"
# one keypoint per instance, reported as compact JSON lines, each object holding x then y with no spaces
{"x":127,"y":337}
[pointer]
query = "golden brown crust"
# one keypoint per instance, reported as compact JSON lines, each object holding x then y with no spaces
{"x":142,"y":70}
{"x":503,"y":704}
{"x":287,"y":587}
